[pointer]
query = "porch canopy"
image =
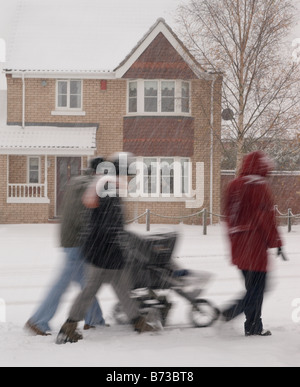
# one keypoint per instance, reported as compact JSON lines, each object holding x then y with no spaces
{"x":48,"y":140}
{"x":43,"y":141}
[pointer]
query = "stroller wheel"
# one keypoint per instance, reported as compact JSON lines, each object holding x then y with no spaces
{"x":203,"y":313}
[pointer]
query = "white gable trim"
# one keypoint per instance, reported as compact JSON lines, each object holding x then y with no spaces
{"x":161,"y":27}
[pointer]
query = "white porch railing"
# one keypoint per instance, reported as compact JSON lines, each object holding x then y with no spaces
{"x":27,"y":193}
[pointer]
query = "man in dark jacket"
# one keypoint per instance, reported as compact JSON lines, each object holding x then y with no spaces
{"x":252,"y":230}
{"x":71,"y":229}
{"x":104,"y":255}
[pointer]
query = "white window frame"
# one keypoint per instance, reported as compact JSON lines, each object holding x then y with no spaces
{"x":141,"y":98}
{"x":68,"y":108}
{"x":29,"y":170}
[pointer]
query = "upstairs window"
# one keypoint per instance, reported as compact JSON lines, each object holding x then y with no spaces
{"x":69,"y":94}
{"x":159,"y":97}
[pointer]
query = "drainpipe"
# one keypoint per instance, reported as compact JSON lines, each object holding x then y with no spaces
{"x":23,"y":100}
{"x":212,"y":147}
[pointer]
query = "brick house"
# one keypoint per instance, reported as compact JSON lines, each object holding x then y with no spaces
{"x":159,"y":104}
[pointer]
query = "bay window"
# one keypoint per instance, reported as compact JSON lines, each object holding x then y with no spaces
{"x":161,"y":177}
{"x":158,"y":97}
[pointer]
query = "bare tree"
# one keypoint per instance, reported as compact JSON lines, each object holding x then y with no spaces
{"x":245,"y":39}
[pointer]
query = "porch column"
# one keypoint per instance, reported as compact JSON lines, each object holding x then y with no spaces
{"x":7,"y":177}
{"x":3,"y":187}
{"x":46,"y":177}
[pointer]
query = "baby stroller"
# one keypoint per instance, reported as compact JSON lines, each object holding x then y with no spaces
{"x":153,"y":270}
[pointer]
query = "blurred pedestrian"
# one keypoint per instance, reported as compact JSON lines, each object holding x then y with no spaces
{"x":252,"y":230}
{"x":104,"y":254}
{"x":72,"y":226}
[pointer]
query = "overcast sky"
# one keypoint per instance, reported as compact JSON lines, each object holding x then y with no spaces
{"x":143,"y":13}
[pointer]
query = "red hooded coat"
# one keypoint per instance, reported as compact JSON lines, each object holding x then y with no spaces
{"x":250,"y":215}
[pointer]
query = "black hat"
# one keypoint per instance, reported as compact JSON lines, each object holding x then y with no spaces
{"x":95,"y":162}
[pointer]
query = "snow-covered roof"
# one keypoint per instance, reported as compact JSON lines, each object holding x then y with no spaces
{"x":76,"y":35}
{"x":43,"y":140}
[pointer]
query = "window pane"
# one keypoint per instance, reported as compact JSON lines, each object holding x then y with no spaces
{"x":132,"y":89}
{"x":34,"y":177}
{"x":34,"y":165}
{"x":168,"y":96}
{"x":132,"y":97}
{"x":185,"y":97}
{"x":75,"y":94}
{"x":150,"y":176}
{"x":62,"y":101}
{"x":185,"y":175}
{"x":168,"y":105}
{"x":62,"y":93}
{"x":151,"y":105}
{"x":75,"y":101}
{"x":151,"y":93}
{"x":167,"y":176}
{"x":75,"y":87}
{"x":62,"y":87}
{"x":132,"y":105}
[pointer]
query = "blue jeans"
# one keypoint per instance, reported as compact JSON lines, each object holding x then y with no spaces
{"x":73,"y":271}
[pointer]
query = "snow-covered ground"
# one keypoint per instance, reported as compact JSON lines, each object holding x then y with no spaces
{"x":30,"y":257}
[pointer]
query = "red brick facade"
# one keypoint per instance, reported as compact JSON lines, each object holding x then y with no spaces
{"x":160,"y":61}
{"x":159,"y":136}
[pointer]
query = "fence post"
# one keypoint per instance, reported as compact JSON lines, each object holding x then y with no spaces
{"x":204,"y":221}
{"x":289,"y":220}
{"x":148,"y":221}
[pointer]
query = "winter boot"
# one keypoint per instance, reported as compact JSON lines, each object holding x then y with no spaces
{"x":141,"y":325}
{"x":68,"y":333}
{"x":263,"y":333}
{"x":34,"y":330}
{"x":87,"y":327}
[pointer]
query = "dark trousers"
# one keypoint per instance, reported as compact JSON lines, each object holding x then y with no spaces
{"x":251,"y":304}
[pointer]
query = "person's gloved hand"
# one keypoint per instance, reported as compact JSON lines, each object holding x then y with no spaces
{"x":280,"y":253}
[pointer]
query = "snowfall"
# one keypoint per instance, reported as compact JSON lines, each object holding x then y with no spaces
{"x":30,"y":258}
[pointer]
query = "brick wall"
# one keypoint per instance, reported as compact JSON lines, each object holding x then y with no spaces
{"x":107,"y":109}
{"x":285,"y":188}
{"x":160,"y":61}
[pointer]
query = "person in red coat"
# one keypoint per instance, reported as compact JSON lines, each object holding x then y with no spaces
{"x":252,"y":230}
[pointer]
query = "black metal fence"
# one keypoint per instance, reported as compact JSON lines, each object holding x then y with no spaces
{"x":206,"y":218}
